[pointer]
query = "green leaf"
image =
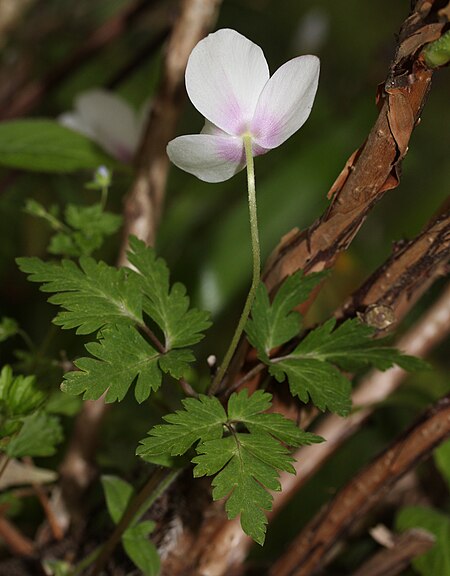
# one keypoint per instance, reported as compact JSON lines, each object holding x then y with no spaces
{"x":351,"y":347}
{"x":8,"y":328}
{"x":123,"y":356}
{"x":168,"y":307}
{"x":51,"y":216}
{"x":201,"y":419}
{"x":442,"y":460}
{"x":19,"y":395}
{"x":93,"y":295}
{"x":141,"y":551}
{"x":90,"y":225}
{"x":38,"y":436}
{"x":247,"y":409}
{"x":315,"y":380}
{"x":436,"y":561}
{"x":46,"y":146}
{"x":272,"y":325}
{"x":246,"y":463}
{"x":311,"y":368}
{"x":117,"y":495}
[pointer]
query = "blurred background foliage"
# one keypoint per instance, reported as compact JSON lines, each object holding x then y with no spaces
{"x":204,"y":234}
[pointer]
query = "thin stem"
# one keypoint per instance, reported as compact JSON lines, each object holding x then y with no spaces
{"x":158,"y":482}
{"x":256,"y":265}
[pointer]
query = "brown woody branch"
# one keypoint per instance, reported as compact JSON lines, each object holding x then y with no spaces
{"x":308,"y":551}
{"x":408,"y":273}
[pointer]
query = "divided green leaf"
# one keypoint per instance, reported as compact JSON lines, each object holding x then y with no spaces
{"x":312,"y":368}
{"x":167,"y":306}
{"x":38,"y":436}
{"x":19,"y":397}
{"x":274,"y":324}
{"x":92,"y":295}
{"x":89,"y":226}
{"x":121,"y":357}
{"x":95,"y":296}
{"x":244,"y":447}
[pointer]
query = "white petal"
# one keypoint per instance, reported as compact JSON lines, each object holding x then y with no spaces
{"x":224,"y":78}
{"x":112,"y":121}
{"x":75,"y":122}
{"x":286,"y":101}
{"x":212,"y":129}
{"x":210,"y":158}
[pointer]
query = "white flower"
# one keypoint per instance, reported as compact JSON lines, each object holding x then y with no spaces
{"x":227,"y":80}
{"x":109,"y":120}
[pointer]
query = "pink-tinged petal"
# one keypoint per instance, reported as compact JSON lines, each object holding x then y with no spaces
{"x":210,"y":158}
{"x":112,"y":121}
{"x":286,"y":101}
{"x":224,"y":78}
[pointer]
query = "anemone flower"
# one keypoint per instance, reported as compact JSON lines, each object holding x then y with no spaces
{"x":228,"y":81}
{"x":247,"y":113}
{"x":109,"y":121}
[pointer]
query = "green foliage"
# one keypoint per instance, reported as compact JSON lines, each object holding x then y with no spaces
{"x":167,"y":306}
{"x":442,"y":460}
{"x":123,"y":356}
{"x":312,"y":368}
{"x":118,"y":494}
{"x":38,"y":436}
{"x":436,"y":561}
{"x":135,"y":541}
{"x":140,"y":550}
{"x":274,"y":324}
{"x":46,"y":146}
{"x":90,"y":225}
{"x":95,"y":296}
{"x":437,"y":53}
{"x":19,"y":397}
{"x":83,"y":230}
{"x":244,"y":446}
{"x":8,"y":328}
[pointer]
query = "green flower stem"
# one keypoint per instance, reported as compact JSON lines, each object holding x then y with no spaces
{"x":256,"y":265}
{"x":158,"y":483}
